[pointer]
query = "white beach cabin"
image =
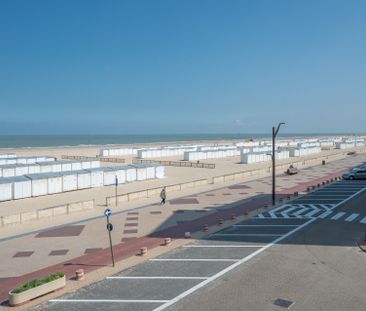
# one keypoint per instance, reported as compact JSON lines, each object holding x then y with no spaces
{"x":120,"y":172}
{"x":22,"y":187}
{"x":84,"y":179}
{"x":54,"y":183}
{"x":96,"y":177}
{"x":69,"y":181}
{"x":8,"y":170}
{"x":34,"y":169}
{"x":21,"y":169}
{"x":66,"y":166}
{"x":6,"y":189}
{"x":109,"y":176}
{"x":131,"y":174}
{"x":39,"y":184}
{"x":56,"y":166}
{"x":76,"y":165}
{"x":46,"y":167}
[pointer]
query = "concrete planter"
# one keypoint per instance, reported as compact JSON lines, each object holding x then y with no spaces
{"x":23,"y":297}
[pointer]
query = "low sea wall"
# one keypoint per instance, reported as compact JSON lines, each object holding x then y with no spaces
{"x":47,"y":212}
{"x":154,"y":192}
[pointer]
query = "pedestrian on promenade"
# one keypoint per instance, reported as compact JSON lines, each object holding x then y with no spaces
{"x":163,"y":196}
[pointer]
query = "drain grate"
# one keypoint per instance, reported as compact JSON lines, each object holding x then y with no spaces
{"x":283,"y":303}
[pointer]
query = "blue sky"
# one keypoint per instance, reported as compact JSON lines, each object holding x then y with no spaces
{"x":202,"y":66}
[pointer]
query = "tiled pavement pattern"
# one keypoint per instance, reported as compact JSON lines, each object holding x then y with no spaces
{"x":92,"y":234}
{"x":161,"y":282}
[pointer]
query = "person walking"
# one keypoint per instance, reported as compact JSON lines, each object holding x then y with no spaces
{"x":163,"y":196}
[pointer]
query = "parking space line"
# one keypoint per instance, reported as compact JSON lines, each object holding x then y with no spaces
{"x":330,"y":190}
{"x":194,"y":259}
{"x":233,"y":266}
{"x":363,"y":220}
{"x":156,"y":278}
{"x":265,"y":225}
{"x":338,"y":215}
{"x":109,"y":300}
{"x":245,"y":234}
{"x":327,"y":195}
{"x":352,"y":217}
{"x":223,"y":246}
{"x":304,"y":199}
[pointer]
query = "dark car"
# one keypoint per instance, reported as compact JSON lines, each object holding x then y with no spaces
{"x":356,"y":173}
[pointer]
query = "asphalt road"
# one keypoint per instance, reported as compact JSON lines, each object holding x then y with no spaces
{"x":301,"y":256}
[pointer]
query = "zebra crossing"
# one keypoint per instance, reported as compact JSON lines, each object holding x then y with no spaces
{"x":321,"y":204}
{"x":308,"y":211}
{"x":299,"y":211}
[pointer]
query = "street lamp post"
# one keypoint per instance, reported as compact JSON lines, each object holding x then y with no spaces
{"x":274,"y":134}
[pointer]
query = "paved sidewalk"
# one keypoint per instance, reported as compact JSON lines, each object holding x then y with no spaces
{"x":85,"y":244}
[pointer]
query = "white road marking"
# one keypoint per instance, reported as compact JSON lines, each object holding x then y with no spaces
{"x":326,"y":207}
{"x":326,"y":214}
{"x":297,"y":214}
{"x":193,"y":259}
{"x":338,"y":215}
{"x":273,"y":211}
{"x":286,"y":212}
{"x":313,"y":212}
{"x":272,"y":214}
{"x":327,"y":191}
{"x":223,"y":246}
{"x":260,"y":215}
{"x":109,"y":300}
{"x":233,"y":266}
{"x":363,"y":220}
{"x":156,"y":278}
{"x":244,"y":234}
{"x":327,"y":195}
{"x":304,"y":199}
{"x":352,"y":217}
{"x":265,"y":225}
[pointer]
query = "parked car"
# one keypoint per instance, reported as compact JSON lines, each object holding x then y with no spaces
{"x":292,"y":170}
{"x":355,"y":173}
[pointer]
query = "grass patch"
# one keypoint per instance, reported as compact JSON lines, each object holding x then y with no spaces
{"x":36,"y":283}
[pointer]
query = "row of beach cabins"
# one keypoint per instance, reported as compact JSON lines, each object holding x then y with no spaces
{"x":249,"y":152}
{"x":63,"y":176}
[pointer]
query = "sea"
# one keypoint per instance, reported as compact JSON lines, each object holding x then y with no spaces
{"x":30,"y":141}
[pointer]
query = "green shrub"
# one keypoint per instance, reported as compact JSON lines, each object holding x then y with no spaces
{"x":35,"y":283}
